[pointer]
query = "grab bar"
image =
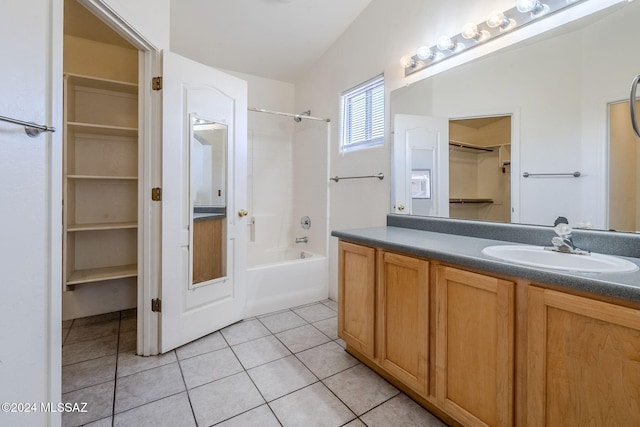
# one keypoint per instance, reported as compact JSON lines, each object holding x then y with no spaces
{"x":632,"y":105}
{"x":380,"y":176}
{"x":573,"y":174}
{"x":30,"y":129}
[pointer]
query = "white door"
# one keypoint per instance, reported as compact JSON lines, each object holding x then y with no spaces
{"x":190,"y":311}
{"x":421,"y":165}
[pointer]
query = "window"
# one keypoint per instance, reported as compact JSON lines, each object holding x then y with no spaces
{"x":362,"y":113}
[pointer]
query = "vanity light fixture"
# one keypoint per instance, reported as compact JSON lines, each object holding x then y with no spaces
{"x":497,"y":23}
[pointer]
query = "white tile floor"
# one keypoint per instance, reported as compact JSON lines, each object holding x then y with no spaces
{"x":282,"y":369}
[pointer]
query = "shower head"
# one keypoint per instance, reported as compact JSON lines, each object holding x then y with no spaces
{"x":298,"y":117}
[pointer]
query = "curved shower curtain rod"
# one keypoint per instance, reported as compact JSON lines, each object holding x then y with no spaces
{"x":295,"y":116}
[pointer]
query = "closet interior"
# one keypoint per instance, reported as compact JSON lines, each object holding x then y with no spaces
{"x":480,"y":168}
{"x":100,"y":156}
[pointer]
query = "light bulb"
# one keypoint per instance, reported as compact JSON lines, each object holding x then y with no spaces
{"x":445,"y":43}
{"x":424,"y":52}
{"x":407,"y":62}
{"x":470,"y":31}
{"x":534,"y":6}
{"x":497,"y":19}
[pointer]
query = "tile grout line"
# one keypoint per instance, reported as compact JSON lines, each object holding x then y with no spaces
{"x":115,"y":374}
{"x":312,"y":373}
{"x":186,"y":389}
{"x":244,"y":369}
{"x":336,"y":373}
{"x":250,"y":379}
{"x":147,"y":403}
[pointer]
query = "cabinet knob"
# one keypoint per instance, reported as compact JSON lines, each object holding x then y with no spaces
{"x":400,"y":208}
{"x":242,"y":213}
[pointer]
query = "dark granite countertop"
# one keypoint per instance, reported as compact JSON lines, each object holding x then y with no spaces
{"x":205,"y":216}
{"x":203,"y":213}
{"x":467,"y":251}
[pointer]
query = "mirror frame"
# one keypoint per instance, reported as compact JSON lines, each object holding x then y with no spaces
{"x":558,"y":20}
{"x":193,"y":118}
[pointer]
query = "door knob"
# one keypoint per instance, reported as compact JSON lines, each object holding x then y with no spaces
{"x":400,"y":208}
{"x":242,"y":213}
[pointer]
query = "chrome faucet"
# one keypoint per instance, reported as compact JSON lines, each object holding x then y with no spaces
{"x":304,"y":239}
{"x":563,"y":242}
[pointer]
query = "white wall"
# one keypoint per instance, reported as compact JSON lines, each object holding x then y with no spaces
{"x":30,"y":291}
{"x":30,"y":248}
{"x":387,"y":30}
{"x":270,"y":164}
{"x":310,"y":181}
{"x":384,"y":32}
{"x":283,"y":183}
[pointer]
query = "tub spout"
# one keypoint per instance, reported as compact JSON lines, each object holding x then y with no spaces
{"x":304,"y":239}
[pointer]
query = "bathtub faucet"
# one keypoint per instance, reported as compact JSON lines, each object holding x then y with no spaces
{"x":304,"y":239}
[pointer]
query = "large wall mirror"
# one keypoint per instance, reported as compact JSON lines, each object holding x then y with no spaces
{"x":208,"y":166}
{"x":547,"y":107}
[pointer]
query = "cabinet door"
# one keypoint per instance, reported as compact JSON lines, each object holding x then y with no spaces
{"x":356,"y":297}
{"x":474,"y":347}
{"x":583,"y":361}
{"x":403,"y":324}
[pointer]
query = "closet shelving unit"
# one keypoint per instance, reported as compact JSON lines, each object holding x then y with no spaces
{"x":504,"y":150}
{"x":470,"y":147}
{"x":471,"y":201}
{"x":101,"y":180}
{"x":478,"y":149}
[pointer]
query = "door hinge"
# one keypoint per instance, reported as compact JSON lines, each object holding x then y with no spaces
{"x":156,"y":83}
{"x":156,"y":305}
{"x":156,"y":194}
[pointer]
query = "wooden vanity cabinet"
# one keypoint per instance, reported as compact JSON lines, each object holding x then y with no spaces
{"x":403,"y":319}
{"x":583,"y":361}
{"x":356,"y":297}
{"x":474,"y":347}
{"x":471,"y":331}
{"x":447,"y":337}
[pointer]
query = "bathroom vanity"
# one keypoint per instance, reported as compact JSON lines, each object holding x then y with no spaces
{"x":484,"y":342}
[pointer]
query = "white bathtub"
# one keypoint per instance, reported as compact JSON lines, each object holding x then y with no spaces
{"x":279,"y":279}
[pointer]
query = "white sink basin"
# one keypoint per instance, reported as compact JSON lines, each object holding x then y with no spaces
{"x":537,"y":256}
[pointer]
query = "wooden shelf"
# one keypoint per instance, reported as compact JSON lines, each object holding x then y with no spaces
{"x":101,"y":183}
{"x":471,"y":201}
{"x":101,"y":226}
{"x":99,"y":274}
{"x":102,"y":178}
{"x":464,"y":145}
{"x":97,"y":129}
{"x":100,"y":83}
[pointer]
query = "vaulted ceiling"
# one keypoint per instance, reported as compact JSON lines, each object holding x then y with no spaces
{"x":276,"y":39}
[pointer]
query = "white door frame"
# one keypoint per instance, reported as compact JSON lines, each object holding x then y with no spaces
{"x":54,"y":367}
{"x":149,"y":172}
{"x":514,"y":113}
